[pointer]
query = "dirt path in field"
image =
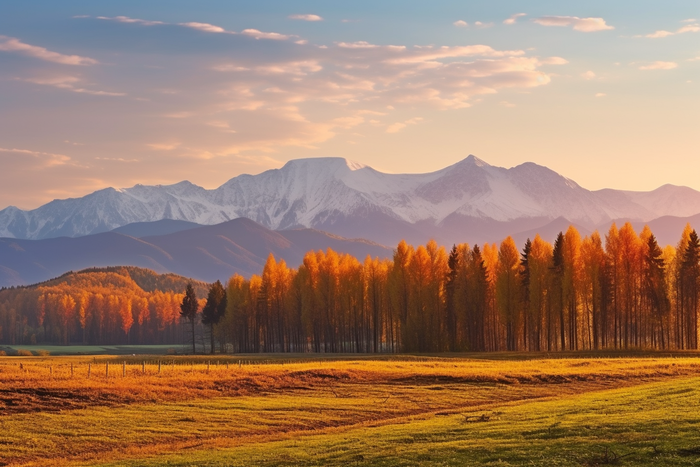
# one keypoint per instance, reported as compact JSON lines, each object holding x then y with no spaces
{"x":393,"y":400}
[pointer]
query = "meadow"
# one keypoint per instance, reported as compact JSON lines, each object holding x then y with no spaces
{"x":462,"y":409}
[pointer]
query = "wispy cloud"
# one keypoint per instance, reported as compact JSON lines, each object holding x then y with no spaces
{"x":11,"y":44}
{"x":204,"y":27}
{"x":398,"y":126}
{"x":164,"y":146}
{"x":266,"y":35}
{"x":659,"y":65}
{"x":48,"y":159}
{"x":477,"y":24}
{"x":126,"y":19}
{"x":578,"y":24}
{"x":71,"y":83}
{"x":513,"y":18}
{"x":588,"y":75}
{"x":306,"y":17}
{"x":695,"y":27}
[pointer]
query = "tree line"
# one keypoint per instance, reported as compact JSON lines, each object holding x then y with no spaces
{"x":622,"y":291}
{"x":617,"y":291}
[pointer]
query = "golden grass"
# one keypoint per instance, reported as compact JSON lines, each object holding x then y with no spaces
{"x":213,"y":406}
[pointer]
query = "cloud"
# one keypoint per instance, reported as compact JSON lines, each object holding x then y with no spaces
{"x":47,"y":159}
{"x":682,"y":30}
{"x":11,"y":44}
{"x":689,"y":28}
{"x":600,"y":94}
{"x":588,"y":75}
{"x":430,"y":55}
{"x":398,"y":126}
{"x":232,"y":102}
{"x":357,"y":45}
{"x":126,"y":19}
{"x":70,"y":83}
{"x":265,"y":35}
{"x":689,"y":20}
{"x":481,"y":25}
{"x":578,"y":24}
{"x":204,"y":27}
{"x":659,"y":65}
{"x":306,"y":17}
{"x":513,"y":18}
{"x":461,"y":24}
{"x":163,"y":146}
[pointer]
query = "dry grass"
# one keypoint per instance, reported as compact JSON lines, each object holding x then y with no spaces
{"x":185,"y":405}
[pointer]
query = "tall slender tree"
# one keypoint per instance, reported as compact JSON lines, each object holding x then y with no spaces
{"x":214,"y":309}
{"x":188,"y":310}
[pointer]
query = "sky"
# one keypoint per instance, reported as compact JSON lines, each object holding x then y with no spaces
{"x":116,"y":93}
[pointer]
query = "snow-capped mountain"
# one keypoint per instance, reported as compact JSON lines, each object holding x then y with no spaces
{"x":354,"y":200}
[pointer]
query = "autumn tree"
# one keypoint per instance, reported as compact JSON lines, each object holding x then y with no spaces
{"x":508,"y":289}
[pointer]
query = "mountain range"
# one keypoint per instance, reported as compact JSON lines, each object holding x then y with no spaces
{"x":469,"y":201}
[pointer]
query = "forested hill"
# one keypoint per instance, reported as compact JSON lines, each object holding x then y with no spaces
{"x":121,"y":304}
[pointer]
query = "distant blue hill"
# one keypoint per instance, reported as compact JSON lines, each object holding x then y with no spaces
{"x":150,"y":229}
{"x":206,"y":253}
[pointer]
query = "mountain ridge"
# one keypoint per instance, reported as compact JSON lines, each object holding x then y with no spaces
{"x":351,"y":199}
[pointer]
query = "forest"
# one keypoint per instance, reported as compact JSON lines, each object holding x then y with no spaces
{"x":116,"y":305}
{"x":620,"y":291}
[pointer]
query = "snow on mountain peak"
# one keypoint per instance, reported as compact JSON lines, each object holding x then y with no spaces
{"x":331,"y":192}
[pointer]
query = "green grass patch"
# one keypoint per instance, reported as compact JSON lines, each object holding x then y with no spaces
{"x":649,"y":425}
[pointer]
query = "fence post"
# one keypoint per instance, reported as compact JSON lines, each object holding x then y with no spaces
{"x":71,"y":369}
{"x":106,"y":369}
{"x":51,"y":370}
{"x":124,"y":369}
{"x":143,"y":367}
{"x":89,"y":368}
{"x":158,"y":366}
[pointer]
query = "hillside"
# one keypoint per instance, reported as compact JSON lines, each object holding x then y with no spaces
{"x":103,"y":305}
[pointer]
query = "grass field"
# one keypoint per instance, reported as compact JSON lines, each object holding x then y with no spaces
{"x":301,"y":410}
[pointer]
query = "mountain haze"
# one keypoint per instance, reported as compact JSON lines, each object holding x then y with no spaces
{"x":468,"y":201}
{"x":205,"y":253}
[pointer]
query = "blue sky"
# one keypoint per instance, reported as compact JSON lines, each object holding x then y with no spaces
{"x":96,"y":94}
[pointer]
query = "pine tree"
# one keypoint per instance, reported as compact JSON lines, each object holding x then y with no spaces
{"x":189,"y":308}
{"x":214,"y":309}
